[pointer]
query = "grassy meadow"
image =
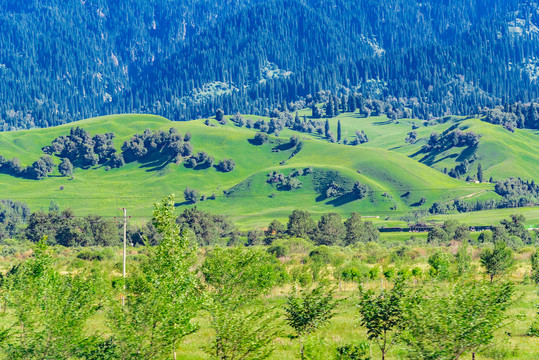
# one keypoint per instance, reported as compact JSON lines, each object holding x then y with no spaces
{"x":510,"y":343}
{"x":386,"y":164}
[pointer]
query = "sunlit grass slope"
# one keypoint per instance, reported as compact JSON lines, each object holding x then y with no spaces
{"x":254,"y":202}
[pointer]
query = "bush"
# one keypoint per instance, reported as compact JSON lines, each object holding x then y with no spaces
{"x":96,"y":254}
{"x":260,"y":138}
{"x":226,"y":165}
{"x":534,"y":328}
{"x":354,"y":272}
{"x":323,"y":255}
{"x":278,"y":250}
{"x":353,"y":352}
{"x":90,"y":255}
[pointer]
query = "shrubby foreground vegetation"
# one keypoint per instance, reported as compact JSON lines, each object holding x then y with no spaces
{"x":287,"y":294}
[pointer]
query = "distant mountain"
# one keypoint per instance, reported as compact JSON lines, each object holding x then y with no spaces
{"x":62,"y":61}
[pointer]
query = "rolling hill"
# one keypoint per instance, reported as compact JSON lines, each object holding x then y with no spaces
{"x":243,"y":194}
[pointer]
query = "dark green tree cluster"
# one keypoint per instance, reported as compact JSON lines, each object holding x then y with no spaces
{"x":360,"y":138}
{"x":517,"y":192}
{"x":13,"y":214}
{"x":330,"y":229}
{"x":81,"y":149}
{"x":226,"y":165}
{"x":517,"y":115}
{"x":449,"y":231}
{"x":285,"y":182}
{"x":39,"y":169}
{"x":169,"y":145}
{"x":64,"y":228}
{"x":450,"y":139}
{"x":208,"y":228}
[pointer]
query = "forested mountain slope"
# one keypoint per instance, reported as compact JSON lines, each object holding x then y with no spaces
{"x":62,"y":61}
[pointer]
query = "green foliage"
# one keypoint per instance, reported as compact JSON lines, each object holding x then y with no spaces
{"x":236,"y":279}
{"x":497,"y":261}
{"x":275,"y":230}
{"x":534,"y":327}
{"x":331,"y":230}
{"x":12,"y":216}
{"x":95,"y":254}
{"x":516,"y":227}
{"x":382,"y":315}
{"x":278,"y":250}
{"x":446,"y":322}
{"x":50,"y":310}
{"x":309,"y":310}
{"x":162,"y":298}
{"x":441,"y":263}
{"x":353,"y":352}
{"x":354,"y":272}
{"x":359,"y":231}
{"x":463,"y":260}
{"x":300,"y":224}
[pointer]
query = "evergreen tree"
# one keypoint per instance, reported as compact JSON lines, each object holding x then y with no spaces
{"x":326,"y":129}
{"x":497,"y":261}
{"x":330,"y":107}
{"x":339,"y":131}
{"x":480,"y":173}
{"x":351,"y":103}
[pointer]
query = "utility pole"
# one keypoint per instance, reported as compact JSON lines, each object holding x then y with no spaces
{"x":125,"y":251}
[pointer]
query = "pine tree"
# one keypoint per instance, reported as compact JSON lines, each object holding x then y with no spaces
{"x":330,"y":108}
{"x":339,"y":131}
{"x":326,"y":128}
{"x":480,"y":173}
{"x":351,"y":103}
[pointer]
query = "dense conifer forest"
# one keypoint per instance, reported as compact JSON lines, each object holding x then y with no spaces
{"x":62,"y":61}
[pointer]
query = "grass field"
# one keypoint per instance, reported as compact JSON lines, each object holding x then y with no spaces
{"x":384,"y":164}
{"x":344,"y":328}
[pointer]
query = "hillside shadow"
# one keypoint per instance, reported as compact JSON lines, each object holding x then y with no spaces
{"x":396,"y":147}
{"x":467,"y":153}
{"x":155,"y":165}
{"x":430,"y":156}
{"x":379,"y":123}
{"x":154,"y":162}
{"x":418,"y":152}
{"x":283,"y":147}
{"x":343,"y":199}
{"x":451,"y":156}
{"x":202,"y":166}
{"x":254,"y":142}
{"x":183,"y":203}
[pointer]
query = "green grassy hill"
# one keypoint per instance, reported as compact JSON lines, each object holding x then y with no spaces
{"x":252,"y":201}
{"x":501,"y":153}
{"x":390,"y":167}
